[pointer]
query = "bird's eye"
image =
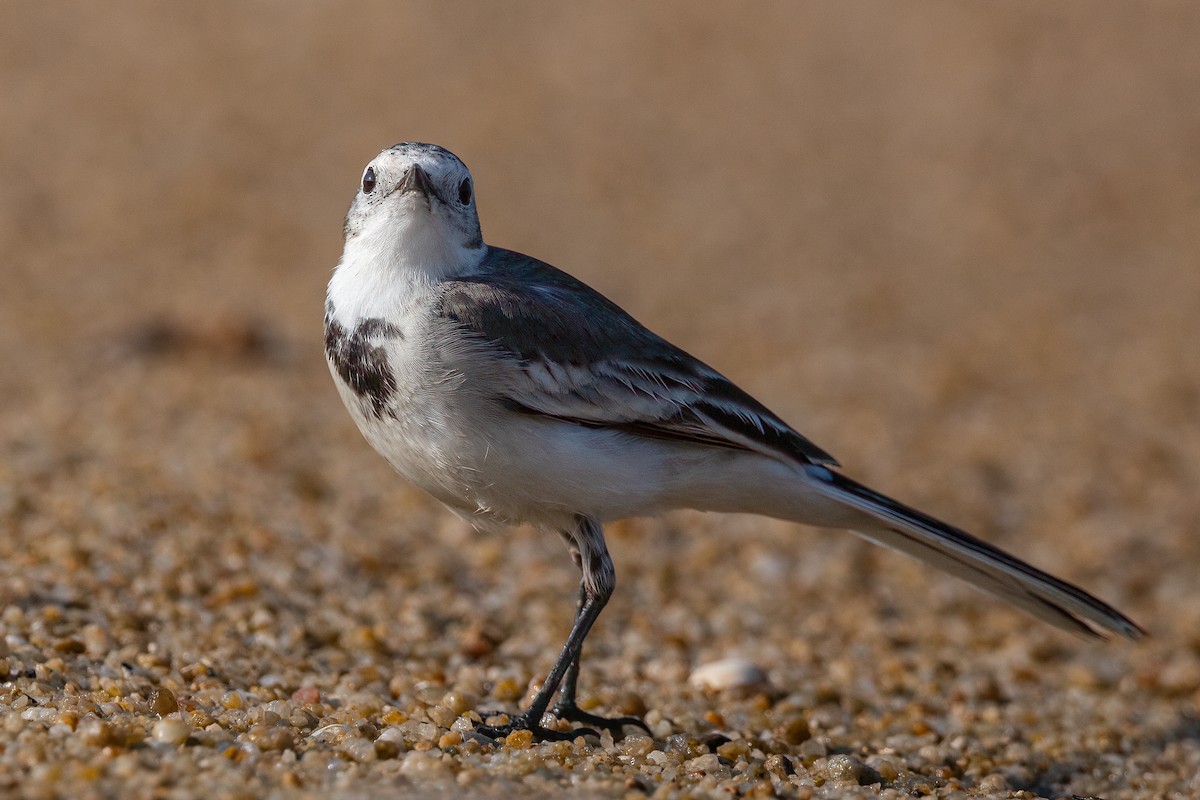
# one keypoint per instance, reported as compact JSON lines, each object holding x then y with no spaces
{"x":464,"y":191}
{"x":369,"y":180}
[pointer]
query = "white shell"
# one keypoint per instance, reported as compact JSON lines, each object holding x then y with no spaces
{"x":728,"y":673}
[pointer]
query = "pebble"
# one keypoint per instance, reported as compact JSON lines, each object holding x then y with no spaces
{"x":796,"y":731}
{"x":171,"y":731}
{"x":779,"y":765}
{"x":636,"y":746}
{"x":271,"y":738}
{"x":707,"y":764}
{"x":331,"y":734}
{"x":95,"y":732}
{"x":993,"y":783}
{"x":163,"y":702}
{"x":358,"y":749}
{"x":728,"y":673}
{"x":849,"y":769}
{"x":306,"y":695}
{"x":518,"y":740}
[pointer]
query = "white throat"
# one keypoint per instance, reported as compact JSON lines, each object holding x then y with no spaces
{"x":390,"y":262}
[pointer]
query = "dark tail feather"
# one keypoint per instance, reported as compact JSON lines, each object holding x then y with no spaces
{"x":907,"y":530}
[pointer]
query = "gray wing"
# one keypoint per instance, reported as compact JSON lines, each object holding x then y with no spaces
{"x":578,"y":357}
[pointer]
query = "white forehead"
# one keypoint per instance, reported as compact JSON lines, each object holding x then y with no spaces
{"x":433,"y":159}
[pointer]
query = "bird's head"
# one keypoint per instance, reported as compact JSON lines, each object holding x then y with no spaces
{"x":415,"y":206}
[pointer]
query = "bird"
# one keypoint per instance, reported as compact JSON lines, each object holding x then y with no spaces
{"x":514,"y":393}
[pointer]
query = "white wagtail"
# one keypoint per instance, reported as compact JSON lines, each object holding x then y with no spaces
{"x":514,"y":393}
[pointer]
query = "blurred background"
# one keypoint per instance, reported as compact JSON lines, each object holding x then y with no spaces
{"x":955,"y":244}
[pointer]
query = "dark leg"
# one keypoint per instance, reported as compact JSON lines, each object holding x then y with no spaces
{"x":591,"y":554}
{"x":566,"y":707}
{"x":566,"y":695}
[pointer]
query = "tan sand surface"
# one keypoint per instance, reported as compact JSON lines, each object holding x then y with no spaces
{"x":957,"y":244}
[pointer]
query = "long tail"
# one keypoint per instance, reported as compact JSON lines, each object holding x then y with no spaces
{"x":898,"y":527}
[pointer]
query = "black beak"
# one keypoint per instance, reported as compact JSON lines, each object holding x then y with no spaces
{"x":416,"y":180}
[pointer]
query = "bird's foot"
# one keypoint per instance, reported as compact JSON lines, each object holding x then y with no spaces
{"x":525,"y":722}
{"x":570,"y":712}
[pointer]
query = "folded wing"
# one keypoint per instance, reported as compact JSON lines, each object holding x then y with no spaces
{"x":577,"y":357}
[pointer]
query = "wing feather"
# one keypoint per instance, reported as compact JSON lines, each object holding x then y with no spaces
{"x":577,"y":357}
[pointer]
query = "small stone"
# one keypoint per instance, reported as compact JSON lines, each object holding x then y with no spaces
{"x":813,"y":748}
{"x":96,"y":641}
{"x":95,"y":732}
{"x":330,"y":734}
{"x":40,"y":714}
{"x":886,"y":768}
{"x":728,"y":673}
{"x":200,"y":719}
{"x":386,"y":750}
{"x":507,"y":690}
{"x":457,"y":702}
{"x":163,"y":702}
{"x":683,"y":745}
{"x":420,"y":731}
{"x":359,"y":749}
{"x":849,"y":769}
{"x":392,"y":734}
{"x":441,"y":716}
{"x":306,"y":695}
{"x":171,"y":731}
{"x":268,"y":738}
{"x":636,"y":746}
{"x":796,"y":731}
{"x":708,"y":764}
{"x":762,"y":788}
{"x":282,"y":708}
{"x":630,"y":703}
{"x":733,"y":750}
{"x":518,"y":740}
{"x":993,"y":783}
{"x":779,"y":765}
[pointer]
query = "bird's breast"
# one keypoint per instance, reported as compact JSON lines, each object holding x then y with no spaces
{"x":359,"y":358}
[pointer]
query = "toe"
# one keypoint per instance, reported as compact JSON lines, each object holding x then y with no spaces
{"x":614,"y":725}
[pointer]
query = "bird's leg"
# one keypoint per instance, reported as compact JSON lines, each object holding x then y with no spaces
{"x":566,"y":707}
{"x":566,"y":694}
{"x":599,"y":578}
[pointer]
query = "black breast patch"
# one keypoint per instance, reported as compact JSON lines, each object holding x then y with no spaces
{"x":361,"y":364}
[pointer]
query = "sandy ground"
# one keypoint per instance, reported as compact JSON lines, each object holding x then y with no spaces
{"x":955,"y":244}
